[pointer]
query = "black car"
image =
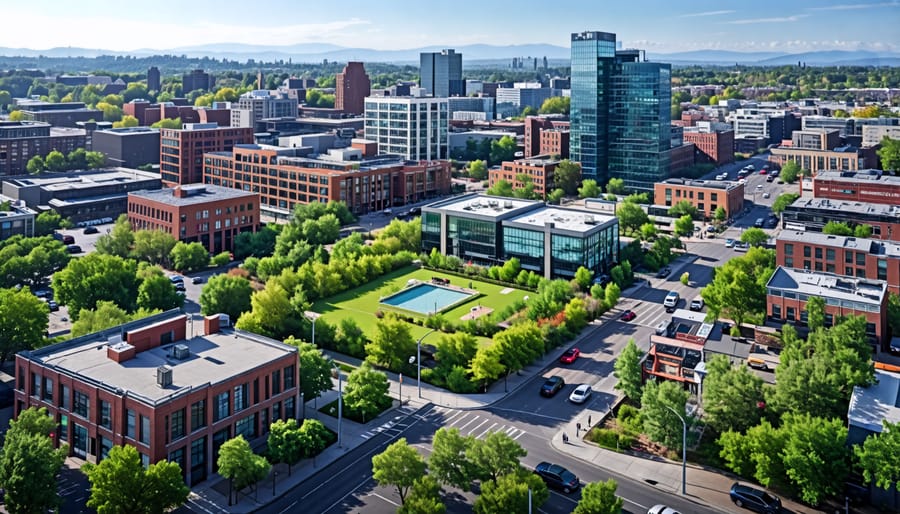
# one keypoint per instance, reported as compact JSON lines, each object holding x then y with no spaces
{"x":557,"y":477}
{"x":197,"y":280}
{"x":53,"y":306}
{"x":754,"y":499}
{"x":552,"y":385}
{"x":663,"y":273}
{"x":90,"y":230}
{"x":74,"y":249}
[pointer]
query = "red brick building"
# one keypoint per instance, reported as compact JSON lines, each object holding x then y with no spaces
{"x":181,"y":150}
{"x":204,"y":213}
{"x":675,"y":352}
{"x":147,"y":114}
{"x":714,"y":147}
{"x":845,"y":158}
{"x":285,"y":179}
{"x":351,"y":89}
{"x":812,"y":214}
{"x":705,"y":195}
{"x":789,"y":290}
{"x":841,"y":255}
{"x":539,"y":168}
{"x":873,"y":186}
{"x":537,"y":144}
{"x":173,"y":392}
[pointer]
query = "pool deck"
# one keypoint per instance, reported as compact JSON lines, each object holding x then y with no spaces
{"x":436,"y":283}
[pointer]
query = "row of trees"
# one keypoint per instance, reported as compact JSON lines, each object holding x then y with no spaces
{"x":461,"y":462}
{"x":78,"y":159}
{"x":493,"y":151}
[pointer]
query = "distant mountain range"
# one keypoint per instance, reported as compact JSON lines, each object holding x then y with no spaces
{"x":472,"y":54}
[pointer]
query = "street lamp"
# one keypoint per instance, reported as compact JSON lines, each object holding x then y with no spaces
{"x":683,"y":450}
{"x":312,"y":316}
{"x":340,"y":401}
{"x":419,"y":360}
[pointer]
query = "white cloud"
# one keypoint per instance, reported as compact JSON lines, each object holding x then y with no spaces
{"x":706,"y":13}
{"x":783,"y":19}
{"x":850,"y":7}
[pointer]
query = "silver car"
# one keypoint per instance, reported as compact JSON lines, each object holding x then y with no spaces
{"x":580,"y":394}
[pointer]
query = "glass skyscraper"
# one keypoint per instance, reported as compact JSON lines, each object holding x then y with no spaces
{"x":620,"y":113}
{"x":441,"y":73}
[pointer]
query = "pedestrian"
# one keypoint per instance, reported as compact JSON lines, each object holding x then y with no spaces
{"x":565,"y":438}
{"x":577,"y":428}
{"x":589,"y":420}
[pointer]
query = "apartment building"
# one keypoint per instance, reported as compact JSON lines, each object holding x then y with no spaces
{"x":705,"y":195}
{"x":812,"y":214}
{"x":872,"y":186}
{"x":181,"y":150}
{"x":539,"y":168}
{"x":416,"y":128}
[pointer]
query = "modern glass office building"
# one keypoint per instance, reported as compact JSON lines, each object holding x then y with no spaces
{"x":620,"y":113}
{"x":550,"y":241}
{"x":441,"y":73}
{"x":415,"y":128}
{"x":593,"y":60}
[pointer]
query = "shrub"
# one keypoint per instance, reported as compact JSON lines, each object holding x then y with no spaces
{"x":605,"y":437}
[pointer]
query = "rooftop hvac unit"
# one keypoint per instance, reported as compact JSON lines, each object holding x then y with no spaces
{"x":224,"y":320}
{"x":508,"y":204}
{"x":163,"y":376}
{"x":589,"y":220}
{"x":182,"y":352}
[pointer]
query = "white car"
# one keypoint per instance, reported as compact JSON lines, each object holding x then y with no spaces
{"x":580,"y":394}
{"x":766,"y":195}
{"x":662,"y":509}
{"x":759,"y":186}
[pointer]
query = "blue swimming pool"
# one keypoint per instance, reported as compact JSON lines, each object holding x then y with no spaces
{"x":426,"y":298}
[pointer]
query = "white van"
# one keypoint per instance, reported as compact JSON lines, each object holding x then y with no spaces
{"x":697,"y":304}
{"x":671,"y":299}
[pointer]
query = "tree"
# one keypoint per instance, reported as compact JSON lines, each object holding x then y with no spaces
{"x":555,"y":196}
{"x":731,"y":396}
{"x":616,"y":186}
{"x":35,"y":165}
{"x":501,"y":188}
{"x":893,"y":313}
{"x":754,"y":237}
{"x":683,"y":208}
{"x":23,"y":321}
{"x":494,"y":456}
{"x":189,"y":256}
{"x":510,"y":493}
{"x":815,"y":455}
{"x":684,"y":226}
{"x":879,"y":456}
{"x":631,"y":216}
{"x":55,"y":161}
{"x":315,"y":369}
{"x":424,"y":498}
{"x":448,"y":462}
{"x":503,"y":149}
{"x":153,"y":246}
{"x":889,"y":153}
{"x":95,"y":159}
{"x":28,"y":467}
{"x":783,"y":201}
{"x":583,"y":278}
{"x":478,"y":170}
{"x":366,"y":391}
{"x":272,"y":312}
{"x":837,"y":228}
{"x":661,"y":424}
{"x":648,"y":231}
{"x":167,"y":123}
{"x":121,"y":485}
{"x":126,"y":121}
{"x":392,"y":343}
{"x":555,"y":105}
{"x":789,"y":172}
{"x":240,"y":465}
{"x":720,"y":215}
{"x":863,"y":231}
{"x":567,"y":176}
{"x":119,"y":241}
{"x":486,"y":365}
{"x":399,"y":465}
{"x":815,"y":309}
{"x":96,"y":277}
{"x":611,"y":294}
{"x":285,"y":443}
{"x":226,"y":294}
{"x":627,"y":369}
{"x":599,"y":498}
{"x":520,"y":344}
{"x":104,"y":315}
{"x":157,"y":293}
{"x":589,"y":189}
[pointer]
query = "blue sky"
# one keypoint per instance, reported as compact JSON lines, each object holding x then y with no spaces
{"x":659,"y":26}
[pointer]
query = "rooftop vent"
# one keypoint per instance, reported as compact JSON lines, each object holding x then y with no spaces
{"x":181,"y":352}
{"x":164,"y":376}
{"x":508,"y":204}
{"x":590,"y":220}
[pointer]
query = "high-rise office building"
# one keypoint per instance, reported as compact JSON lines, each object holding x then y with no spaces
{"x":441,"y":73}
{"x":413,"y":127}
{"x":351,"y":89}
{"x":261,"y":104}
{"x":196,"y":79}
{"x":153,"y":82}
{"x":620,"y":112}
{"x":181,"y":150}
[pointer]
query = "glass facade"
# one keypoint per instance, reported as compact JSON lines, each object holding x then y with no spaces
{"x":472,"y":240}
{"x":596,"y":252}
{"x":431,"y":231}
{"x":525,"y":245}
{"x":593,"y":59}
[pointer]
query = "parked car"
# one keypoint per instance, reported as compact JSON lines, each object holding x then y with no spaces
{"x":741,"y":247}
{"x":697,"y":304}
{"x":729,"y":243}
{"x":663,"y":273}
{"x":90,"y":230}
{"x":176,"y":278}
{"x":602,"y":279}
{"x":754,"y":499}
{"x":766,"y":195}
{"x":68,"y":239}
{"x":628,"y":315}
{"x":671,"y":299}
{"x":197,"y":280}
{"x":179,"y":286}
{"x":662,"y":509}
{"x":74,"y":249}
{"x":552,"y":386}
{"x":53,"y":306}
{"x":763,"y":171}
{"x":580,"y":394}
{"x":570,"y":355}
{"x":557,"y":477}
{"x":770,"y":178}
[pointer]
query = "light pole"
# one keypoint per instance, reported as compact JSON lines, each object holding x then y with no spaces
{"x":419,"y":360}
{"x":312,"y":316}
{"x":683,"y":450}
{"x":340,"y":401}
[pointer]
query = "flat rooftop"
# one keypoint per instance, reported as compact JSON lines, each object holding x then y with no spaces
{"x":869,"y":176}
{"x":127,"y":131}
{"x":562,"y":219}
{"x":67,"y":131}
{"x":828,"y":285}
{"x":725,"y":185}
{"x":197,"y":194}
{"x":213,"y":359}
{"x":869,"y":406}
{"x":494,"y":207}
{"x":825,"y":204}
{"x":84,"y":179}
{"x":872,"y":246}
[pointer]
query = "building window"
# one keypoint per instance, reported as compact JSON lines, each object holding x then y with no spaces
{"x":789,"y":262}
{"x":776,"y":311}
{"x":64,"y":395}
{"x":791,"y":314}
{"x":818,"y":253}
{"x":198,"y":453}
{"x":198,"y":415}
{"x":882,"y":269}
{"x":105,"y":446}
{"x":47,"y":391}
{"x":130,"y":424}
{"x":35,"y":385}
{"x":861,"y":272}
{"x":860,"y":259}
{"x":178,"y":424}
{"x":289,"y":411}
{"x":222,"y":407}
{"x":848,"y":257}
{"x":246,"y":427}
{"x":82,"y":405}
{"x":105,"y":418}
{"x":145,"y":430}
{"x":829,"y":254}
{"x":276,"y":411}
{"x":807,"y":252}
{"x":829,"y":268}
{"x":289,"y":377}
{"x":276,"y":382}
{"x":241,"y":398}
{"x":788,"y":249}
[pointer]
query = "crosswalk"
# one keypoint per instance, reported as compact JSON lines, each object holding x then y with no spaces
{"x":469,"y":423}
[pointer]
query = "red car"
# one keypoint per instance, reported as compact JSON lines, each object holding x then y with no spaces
{"x":570,"y":356}
{"x":628,"y":315}
{"x":763,"y":171}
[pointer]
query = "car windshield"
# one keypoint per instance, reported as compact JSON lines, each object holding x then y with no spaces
{"x":567,"y":476}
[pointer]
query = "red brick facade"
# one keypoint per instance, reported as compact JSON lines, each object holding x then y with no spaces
{"x":215,"y":217}
{"x":535,"y":142}
{"x":883,"y":190}
{"x":181,"y":150}
{"x":540,"y":171}
{"x":780,"y":310}
{"x":705,"y":196}
{"x":715,"y":147}
{"x":351,"y":89}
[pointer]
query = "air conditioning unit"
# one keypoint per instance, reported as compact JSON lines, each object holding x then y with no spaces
{"x":182,"y":352}
{"x":164,"y":376}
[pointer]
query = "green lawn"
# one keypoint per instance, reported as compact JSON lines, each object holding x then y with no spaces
{"x":362,"y":302}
